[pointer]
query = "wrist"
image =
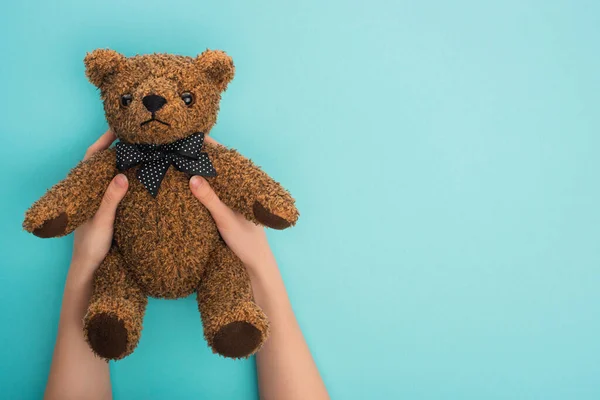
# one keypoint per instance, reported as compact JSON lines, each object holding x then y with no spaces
{"x":262,"y":263}
{"x":77,"y":292}
{"x":81,"y":260}
{"x":269,"y":290}
{"x":264,"y":274}
{"x":81,"y":273}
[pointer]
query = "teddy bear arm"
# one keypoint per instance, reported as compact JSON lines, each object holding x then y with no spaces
{"x":74,"y":200}
{"x":247,"y":189}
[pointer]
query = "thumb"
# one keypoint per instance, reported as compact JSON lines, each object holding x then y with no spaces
{"x":114,"y":194}
{"x":207,"y":196}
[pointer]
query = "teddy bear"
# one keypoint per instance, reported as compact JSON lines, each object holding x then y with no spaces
{"x":165,"y":244}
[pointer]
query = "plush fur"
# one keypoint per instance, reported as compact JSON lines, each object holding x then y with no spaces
{"x":168,"y":246}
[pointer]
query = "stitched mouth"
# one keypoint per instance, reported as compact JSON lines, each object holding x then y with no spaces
{"x":153,"y":119}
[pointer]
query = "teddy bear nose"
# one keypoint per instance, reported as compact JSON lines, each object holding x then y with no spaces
{"x":154,"y":102}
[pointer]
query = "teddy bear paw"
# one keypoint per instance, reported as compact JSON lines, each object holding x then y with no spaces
{"x":268,"y":218}
{"x":107,"y":335}
{"x":53,"y":227}
{"x":237,"y":339}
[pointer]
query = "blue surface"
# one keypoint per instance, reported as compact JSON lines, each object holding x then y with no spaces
{"x":444,"y":156}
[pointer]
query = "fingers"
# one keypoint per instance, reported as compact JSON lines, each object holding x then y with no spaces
{"x":210,"y":140}
{"x":114,"y":194}
{"x":203,"y":192}
{"x":102,"y":143}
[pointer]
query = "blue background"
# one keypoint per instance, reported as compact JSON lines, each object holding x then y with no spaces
{"x":444,"y":156}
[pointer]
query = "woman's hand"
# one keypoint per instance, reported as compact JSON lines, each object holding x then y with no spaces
{"x":93,"y":239}
{"x":246,"y":239}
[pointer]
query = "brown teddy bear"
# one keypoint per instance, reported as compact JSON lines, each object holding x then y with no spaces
{"x":166,"y":244}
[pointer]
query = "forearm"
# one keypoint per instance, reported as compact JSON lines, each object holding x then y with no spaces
{"x":285,"y":366}
{"x":75,"y":372}
{"x":286,"y":369}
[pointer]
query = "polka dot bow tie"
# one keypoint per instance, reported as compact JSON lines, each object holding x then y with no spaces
{"x":155,"y":159}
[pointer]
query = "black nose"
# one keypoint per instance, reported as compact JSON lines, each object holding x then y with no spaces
{"x":153,"y":102}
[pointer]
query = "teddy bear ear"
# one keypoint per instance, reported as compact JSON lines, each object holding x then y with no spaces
{"x":101,"y":63}
{"x":217,"y":66}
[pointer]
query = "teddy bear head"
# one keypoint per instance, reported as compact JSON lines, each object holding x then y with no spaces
{"x":159,"y":98}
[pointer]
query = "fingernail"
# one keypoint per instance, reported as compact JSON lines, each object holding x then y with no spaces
{"x":121,"y":180}
{"x":195,"y":181}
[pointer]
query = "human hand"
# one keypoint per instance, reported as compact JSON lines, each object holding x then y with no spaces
{"x":246,"y":239}
{"x":93,"y":239}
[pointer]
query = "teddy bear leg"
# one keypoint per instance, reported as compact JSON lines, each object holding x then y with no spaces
{"x":113,"y":322}
{"x":234,"y":326}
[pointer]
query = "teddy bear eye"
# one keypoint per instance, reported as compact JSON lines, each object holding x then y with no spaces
{"x":126,"y":100}
{"x":187,"y":98}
